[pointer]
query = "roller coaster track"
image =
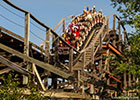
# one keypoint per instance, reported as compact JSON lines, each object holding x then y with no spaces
{"x":17,"y":53}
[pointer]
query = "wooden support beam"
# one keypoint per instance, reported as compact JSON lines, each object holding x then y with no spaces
{"x":83,"y":63}
{"x":43,"y":65}
{"x":38,"y":77}
{"x":79,"y":79}
{"x":26,"y":35}
{"x":5,"y":70}
{"x":125,"y":80}
{"x":71,"y":59}
{"x":26,"y":42}
{"x":62,"y":20}
{"x":107,"y":68}
{"x":56,"y":94}
{"x":129,"y":74}
{"x":100,"y":62}
{"x":20,"y":38}
{"x":63,"y":26}
{"x":134,"y":80}
{"x":114,"y":26}
{"x":91,"y":88}
{"x":54,"y":83}
{"x":120,"y":37}
{"x":47,"y":46}
{"x":129,"y":79}
{"x":114,"y":22}
{"x":56,"y":51}
{"x":14,"y":66}
{"x":125,"y":34}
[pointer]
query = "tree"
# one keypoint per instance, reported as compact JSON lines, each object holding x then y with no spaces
{"x":130,"y":14}
{"x":130,"y":10}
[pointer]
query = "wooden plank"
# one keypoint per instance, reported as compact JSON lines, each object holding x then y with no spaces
{"x":5,"y":70}
{"x":67,"y":95}
{"x":14,"y":66}
{"x":62,"y":84}
{"x":115,"y":50}
{"x":43,"y":65}
{"x":38,"y":77}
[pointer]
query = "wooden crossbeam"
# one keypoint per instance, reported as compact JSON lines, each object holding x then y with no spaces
{"x":13,"y":66}
{"x":43,"y":65}
{"x":5,"y":70}
{"x":67,"y":95}
{"x":38,"y":77}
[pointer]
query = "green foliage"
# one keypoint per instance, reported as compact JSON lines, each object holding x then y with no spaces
{"x":10,"y":90}
{"x":130,"y":10}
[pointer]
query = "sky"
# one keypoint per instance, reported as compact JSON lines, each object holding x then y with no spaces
{"x":50,"y":12}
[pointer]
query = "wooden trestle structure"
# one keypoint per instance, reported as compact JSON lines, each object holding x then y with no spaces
{"x":87,"y":75}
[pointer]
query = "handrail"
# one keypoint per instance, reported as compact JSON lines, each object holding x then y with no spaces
{"x":21,"y":38}
{"x":122,"y":26}
{"x":61,"y":21}
{"x":39,"y":22}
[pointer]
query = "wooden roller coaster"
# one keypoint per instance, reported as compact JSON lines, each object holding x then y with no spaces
{"x":84,"y":74}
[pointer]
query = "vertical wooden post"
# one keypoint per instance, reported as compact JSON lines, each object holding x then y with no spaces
{"x":114,"y":26}
{"x":134,"y":80}
{"x":125,"y":36}
{"x":78,"y":83}
{"x":108,"y":27}
{"x":125,"y":80}
{"x":26,"y":42}
{"x":64,"y":26}
{"x":107,"y":66}
{"x":120,"y":37}
{"x":91,"y":88}
{"x":47,"y":55}
{"x":71,"y":59}
{"x":114,"y":21}
{"x":56,"y":51}
{"x":47,"y":46}
{"x":83,"y":63}
{"x":54,"y":82}
{"x":100,"y":69}
{"x":129,"y":81}
{"x":83,"y":91}
{"x":129,"y":75}
{"x":26,"y":35}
